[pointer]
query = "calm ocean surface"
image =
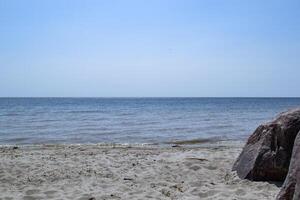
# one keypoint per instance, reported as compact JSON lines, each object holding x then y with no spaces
{"x":133,"y":120}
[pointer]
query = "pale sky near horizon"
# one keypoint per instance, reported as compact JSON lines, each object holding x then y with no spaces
{"x":149,"y":48}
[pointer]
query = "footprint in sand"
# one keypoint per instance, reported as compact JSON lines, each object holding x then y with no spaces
{"x":7,"y":198}
{"x":29,"y":197}
{"x":89,"y":197}
{"x":192,"y":166}
{"x":31,"y":192}
{"x":195,"y":167}
{"x":50,"y":193}
{"x":240,"y":192}
{"x":208,"y":193}
{"x":210,"y":167}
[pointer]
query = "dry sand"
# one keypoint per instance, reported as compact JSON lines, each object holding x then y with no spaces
{"x":106,"y":172}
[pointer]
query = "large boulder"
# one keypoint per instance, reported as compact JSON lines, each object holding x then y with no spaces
{"x":291,"y":187}
{"x":266,"y":155}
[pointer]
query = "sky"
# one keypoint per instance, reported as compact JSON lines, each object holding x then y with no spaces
{"x":150,"y":48}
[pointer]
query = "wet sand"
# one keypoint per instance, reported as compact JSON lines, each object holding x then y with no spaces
{"x":88,"y":172}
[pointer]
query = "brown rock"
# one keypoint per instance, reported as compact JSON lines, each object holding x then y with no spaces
{"x":291,"y":187}
{"x":266,"y":155}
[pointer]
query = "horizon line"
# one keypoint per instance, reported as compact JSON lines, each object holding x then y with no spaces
{"x":140,"y":97}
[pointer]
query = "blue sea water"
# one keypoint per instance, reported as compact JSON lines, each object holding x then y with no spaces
{"x":134,"y":120}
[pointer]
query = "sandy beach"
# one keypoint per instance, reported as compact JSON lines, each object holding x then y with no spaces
{"x":124,"y":172}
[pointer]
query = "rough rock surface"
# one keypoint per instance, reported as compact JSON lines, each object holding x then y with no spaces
{"x":291,"y":187}
{"x":267,"y":153}
{"x":297,"y":189}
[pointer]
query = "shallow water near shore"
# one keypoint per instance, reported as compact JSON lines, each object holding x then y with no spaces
{"x":134,"y":120}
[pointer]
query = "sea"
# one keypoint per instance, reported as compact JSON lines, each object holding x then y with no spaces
{"x":134,"y":120}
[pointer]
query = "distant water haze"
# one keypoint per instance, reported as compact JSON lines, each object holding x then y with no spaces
{"x":134,"y":120}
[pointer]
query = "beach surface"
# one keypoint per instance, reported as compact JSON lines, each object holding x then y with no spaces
{"x":92,"y":172}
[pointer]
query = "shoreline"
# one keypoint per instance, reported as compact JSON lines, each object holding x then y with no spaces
{"x":196,"y":142}
{"x":88,"y":172}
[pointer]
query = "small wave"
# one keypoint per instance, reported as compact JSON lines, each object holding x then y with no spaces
{"x":125,"y":114}
{"x":85,"y":111}
{"x":11,"y":115}
{"x":195,"y":141}
{"x":16,"y":140}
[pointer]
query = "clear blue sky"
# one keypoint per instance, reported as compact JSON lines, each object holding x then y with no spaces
{"x":149,"y":48}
